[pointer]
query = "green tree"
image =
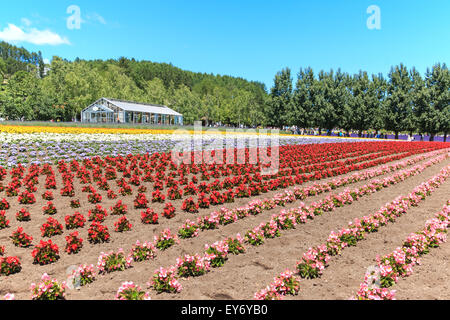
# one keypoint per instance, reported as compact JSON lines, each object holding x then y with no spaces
{"x":117,"y":85}
{"x":379,"y":85}
{"x":212,"y":107}
{"x":41,"y":64}
{"x":398,"y":106}
{"x":155,"y":92}
{"x":365,"y":102}
{"x":323,"y":113}
{"x":2,"y":70}
{"x":187,"y":103}
{"x":347,"y":114}
{"x":281,"y":95}
{"x":302,"y":100}
{"x":340,"y":101}
{"x":22,"y":96}
{"x":432,"y":102}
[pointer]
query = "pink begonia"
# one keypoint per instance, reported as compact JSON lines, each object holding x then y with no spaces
{"x":240,"y":238}
{"x":367,"y":293}
{"x":166,"y":278}
{"x":302,"y":216}
{"x":227,"y":216}
{"x":209,"y":222}
{"x":166,"y":234}
{"x":285,"y":220}
{"x":334,"y":244}
{"x":200,"y":264}
{"x":270,"y":229}
{"x":285,"y":283}
{"x":104,"y":261}
{"x":189,"y":224}
{"x":175,"y":284}
{"x":289,"y":196}
{"x":48,"y":289}
{"x":269,"y":204}
{"x":269,"y":293}
{"x":147,"y":247}
{"x":407,"y":256}
{"x":219,"y":246}
{"x":129,"y":287}
{"x":86,"y":272}
{"x":315,"y":259}
{"x":241,"y":212}
{"x":9,"y":296}
{"x":255,"y":236}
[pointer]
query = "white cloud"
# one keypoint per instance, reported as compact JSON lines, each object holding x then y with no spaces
{"x":26,"y":22}
{"x":99,"y":18}
{"x":13,"y":33}
{"x":95,"y":17}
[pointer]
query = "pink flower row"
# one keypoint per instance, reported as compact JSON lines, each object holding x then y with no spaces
{"x":289,"y":219}
{"x":401,"y":261}
{"x":226,"y":216}
{"x":215,"y":255}
{"x":316,"y":259}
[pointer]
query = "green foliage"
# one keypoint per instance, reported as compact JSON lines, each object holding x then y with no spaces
{"x":21,"y":98}
{"x":432,"y":100}
{"x":403,"y":103}
{"x":2,"y":70}
{"x":71,"y":86}
{"x":398,"y":106}
{"x":365,"y":103}
{"x":187,"y":103}
{"x":280,"y":99}
{"x":324,"y":113}
{"x":19,"y":59}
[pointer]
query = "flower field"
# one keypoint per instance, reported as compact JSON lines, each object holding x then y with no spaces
{"x":28,"y":145}
{"x":109,"y":214}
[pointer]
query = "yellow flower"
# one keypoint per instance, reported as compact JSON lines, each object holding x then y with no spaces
{"x":79,"y":130}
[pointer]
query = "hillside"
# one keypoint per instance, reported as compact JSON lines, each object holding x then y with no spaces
{"x":70,"y":86}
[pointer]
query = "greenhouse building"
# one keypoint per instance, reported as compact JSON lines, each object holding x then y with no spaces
{"x":107,"y":110}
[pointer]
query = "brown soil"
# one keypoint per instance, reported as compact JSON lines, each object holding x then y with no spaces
{"x":245,"y":274}
{"x":430,"y":279}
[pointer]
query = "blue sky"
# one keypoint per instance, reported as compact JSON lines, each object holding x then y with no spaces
{"x":247,"y":38}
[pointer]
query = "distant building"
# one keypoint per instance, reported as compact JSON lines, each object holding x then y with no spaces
{"x":107,"y":110}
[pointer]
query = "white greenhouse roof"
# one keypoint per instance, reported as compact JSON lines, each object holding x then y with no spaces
{"x":142,"y":107}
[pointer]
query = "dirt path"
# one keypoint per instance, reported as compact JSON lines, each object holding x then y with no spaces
{"x":431,"y":279}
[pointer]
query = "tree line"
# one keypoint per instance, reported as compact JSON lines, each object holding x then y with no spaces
{"x":13,"y":59}
{"x":405,"y":101}
{"x":68,"y":87}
